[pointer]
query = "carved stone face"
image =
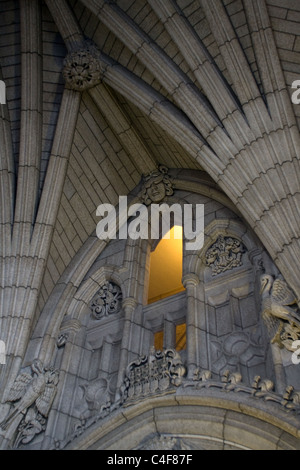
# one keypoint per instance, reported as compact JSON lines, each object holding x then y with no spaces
{"x":156,"y":191}
{"x":157,"y":185}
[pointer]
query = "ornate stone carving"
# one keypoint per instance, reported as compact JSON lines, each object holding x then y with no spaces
{"x":154,"y":374}
{"x":260,"y":388}
{"x":33,"y":393}
{"x":107,"y":301}
{"x":82,"y":69}
{"x":280,"y":311}
{"x":230,"y":383}
{"x":157,"y":185}
{"x":225,"y":254}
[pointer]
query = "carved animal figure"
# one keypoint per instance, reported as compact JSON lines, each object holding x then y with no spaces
{"x":277,"y":302}
{"x":37,"y":388}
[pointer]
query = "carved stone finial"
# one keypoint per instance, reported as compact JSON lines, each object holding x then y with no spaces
{"x":82,"y":69}
{"x":225,"y":254}
{"x":107,"y":301}
{"x":157,"y":185}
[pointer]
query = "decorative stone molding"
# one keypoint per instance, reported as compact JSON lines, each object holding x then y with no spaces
{"x":224,"y":255}
{"x":260,"y":388}
{"x":190,"y":279}
{"x":32,"y":393}
{"x":157,"y":185}
{"x":82,"y":69}
{"x":107,"y":301}
{"x":280,"y":311}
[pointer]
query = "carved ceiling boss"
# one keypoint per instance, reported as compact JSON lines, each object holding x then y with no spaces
{"x":82,"y":69}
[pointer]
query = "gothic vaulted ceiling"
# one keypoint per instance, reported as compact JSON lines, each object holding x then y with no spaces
{"x":100,"y":92}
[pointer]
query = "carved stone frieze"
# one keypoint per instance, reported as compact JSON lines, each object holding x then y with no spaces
{"x":224,"y":255}
{"x":154,"y":374}
{"x":82,"y":69}
{"x":139,"y":372}
{"x":107,"y":301}
{"x":280,"y":311}
{"x":156,"y":186}
{"x":260,"y":388}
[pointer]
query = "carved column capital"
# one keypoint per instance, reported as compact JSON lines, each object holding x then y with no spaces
{"x":82,"y":69}
{"x":190,"y":279}
{"x":129,"y":304}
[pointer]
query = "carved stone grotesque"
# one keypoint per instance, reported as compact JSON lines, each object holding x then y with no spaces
{"x":154,"y":374}
{"x":225,"y":254}
{"x":280,"y":311}
{"x":33,"y":394}
{"x":107,"y":301}
{"x":82,"y":69}
{"x":157,"y":185}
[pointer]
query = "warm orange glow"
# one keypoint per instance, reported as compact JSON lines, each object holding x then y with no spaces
{"x":166,"y":266}
{"x":180,"y":337}
{"x":159,"y":341}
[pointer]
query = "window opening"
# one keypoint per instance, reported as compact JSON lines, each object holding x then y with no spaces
{"x":166,"y":266}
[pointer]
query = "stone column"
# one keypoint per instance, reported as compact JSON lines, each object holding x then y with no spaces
{"x":129,"y":306}
{"x":169,"y":334}
{"x":190,"y":282}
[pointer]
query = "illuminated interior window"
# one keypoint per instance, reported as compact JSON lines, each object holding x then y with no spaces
{"x":166,"y":266}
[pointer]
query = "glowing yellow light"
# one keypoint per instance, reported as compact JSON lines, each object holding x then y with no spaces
{"x":166,"y":266}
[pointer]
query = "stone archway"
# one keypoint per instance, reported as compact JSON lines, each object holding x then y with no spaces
{"x":189,"y":422}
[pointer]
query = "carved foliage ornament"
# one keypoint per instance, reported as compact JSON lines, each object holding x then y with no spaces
{"x":82,"y":69}
{"x":157,"y":185}
{"x":107,"y":301}
{"x":224,"y":255}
